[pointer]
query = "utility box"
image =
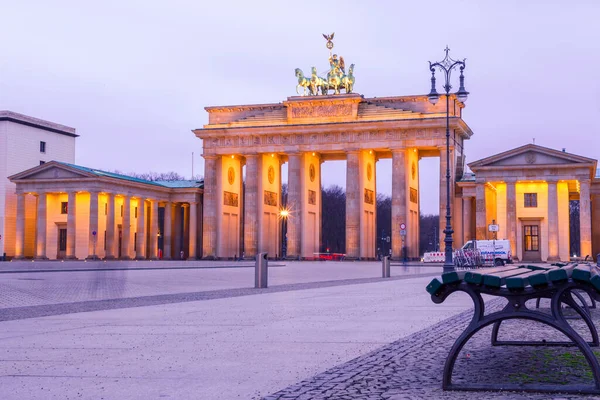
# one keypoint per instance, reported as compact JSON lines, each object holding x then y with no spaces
{"x":261,"y":271}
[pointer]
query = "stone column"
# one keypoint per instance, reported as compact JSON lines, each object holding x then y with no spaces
{"x":40,"y":251}
{"x":353,"y":198}
{"x":193,"y":230}
{"x":294,"y":204}
{"x":209,"y":234}
{"x":399,"y":212}
{"x":585,"y":219}
{"x":553,"y":246}
{"x":126,"y":229}
{"x":140,"y":244}
{"x":251,"y":207}
{"x":93,"y":227}
{"x":511,"y":218}
{"x":20,"y":237}
{"x":110,"y":227}
{"x":167,"y":254}
{"x":467,"y":217}
{"x":71,"y":226}
{"x":153,"y":242}
{"x":480,"y":217}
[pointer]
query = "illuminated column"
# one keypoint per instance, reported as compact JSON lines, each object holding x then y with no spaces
{"x":467,"y":217}
{"x":511,"y":218}
{"x":110,"y":227}
{"x":585,"y":219}
{"x":93,"y":227}
{"x":71,"y":225}
{"x":20,"y":237}
{"x":480,"y":217}
{"x":552,"y":222}
{"x":126,"y":229}
{"x":140,"y":244}
{"x":294,"y":203}
{"x":353,"y":199}
{"x":153,"y":250}
{"x":251,"y":207}
{"x":399,"y":212}
{"x":40,"y":251}
{"x":167,"y":231}
{"x":193,"y":230}
{"x":209,"y":234}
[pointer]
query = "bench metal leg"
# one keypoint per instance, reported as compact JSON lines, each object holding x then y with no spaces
{"x":516,"y":309}
{"x":567,"y":299}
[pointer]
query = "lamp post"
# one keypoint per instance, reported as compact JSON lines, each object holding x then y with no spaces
{"x":446,"y":66}
{"x":283,"y":214}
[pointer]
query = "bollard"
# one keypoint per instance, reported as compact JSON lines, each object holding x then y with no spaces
{"x":261,"y":271}
{"x":385,"y":267}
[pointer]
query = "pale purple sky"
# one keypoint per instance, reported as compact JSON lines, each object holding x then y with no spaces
{"x":134,"y":76}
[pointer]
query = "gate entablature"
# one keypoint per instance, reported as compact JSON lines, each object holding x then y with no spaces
{"x":330,"y":124}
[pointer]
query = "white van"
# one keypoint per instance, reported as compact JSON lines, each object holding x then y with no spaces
{"x":496,"y":250}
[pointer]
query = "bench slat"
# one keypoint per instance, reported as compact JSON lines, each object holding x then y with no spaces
{"x":434,"y":286}
{"x":453,"y":277}
{"x":561,"y":274}
{"x":539,"y":277}
{"x":499,"y":279}
{"x":476,"y":277}
{"x":582,"y":273}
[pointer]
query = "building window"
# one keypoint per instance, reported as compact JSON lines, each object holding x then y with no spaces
{"x":64,"y":207}
{"x":135,"y":241}
{"x":105,"y":208}
{"x":42,"y":162}
{"x":530,"y":199}
{"x":121,"y":210}
{"x":42,"y":147}
{"x":104,"y":240}
{"x":532,"y":238}
{"x":135,"y":213}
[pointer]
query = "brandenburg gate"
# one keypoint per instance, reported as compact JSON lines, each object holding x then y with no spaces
{"x":305,"y":131}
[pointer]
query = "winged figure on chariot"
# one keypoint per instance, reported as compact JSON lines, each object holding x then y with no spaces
{"x":336,"y":78}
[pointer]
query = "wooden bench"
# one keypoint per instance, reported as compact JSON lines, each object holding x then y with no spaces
{"x":519,"y":284}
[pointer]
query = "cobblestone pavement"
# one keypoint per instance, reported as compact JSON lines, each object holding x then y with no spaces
{"x":411,"y":368}
{"x":107,"y":288}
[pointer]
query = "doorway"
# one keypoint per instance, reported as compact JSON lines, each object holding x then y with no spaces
{"x":531,"y":242}
{"x":62,"y":242}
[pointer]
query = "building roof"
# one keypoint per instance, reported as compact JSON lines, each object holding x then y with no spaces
{"x":37,"y":123}
{"x":169,"y":184}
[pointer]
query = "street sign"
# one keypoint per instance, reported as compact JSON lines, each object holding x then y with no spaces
{"x":403,"y":232}
{"x":403,"y":226}
{"x":493,"y":227}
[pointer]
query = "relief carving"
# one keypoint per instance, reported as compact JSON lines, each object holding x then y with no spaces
{"x":414,"y":198}
{"x":369,"y":196}
{"x":331,"y":110}
{"x":270,"y":198}
{"x":230,"y":199}
{"x":312,"y":197}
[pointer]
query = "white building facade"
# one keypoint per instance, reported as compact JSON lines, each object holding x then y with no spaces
{"x":26,"y":142}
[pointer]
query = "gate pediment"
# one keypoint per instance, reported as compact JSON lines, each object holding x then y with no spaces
{"x":531,"y":155}
{"x":324,"y":108}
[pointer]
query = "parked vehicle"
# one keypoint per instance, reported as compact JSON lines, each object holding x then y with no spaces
{"x":492,"y":251}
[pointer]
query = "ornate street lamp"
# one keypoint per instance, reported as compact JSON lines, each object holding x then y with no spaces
{"x":446,"y":66}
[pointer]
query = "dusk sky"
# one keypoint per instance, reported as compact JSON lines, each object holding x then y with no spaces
{"x":133,"y":77}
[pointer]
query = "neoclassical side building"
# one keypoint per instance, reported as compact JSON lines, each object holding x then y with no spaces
{"x":66,"y":211}
{"x":526,"y":191}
